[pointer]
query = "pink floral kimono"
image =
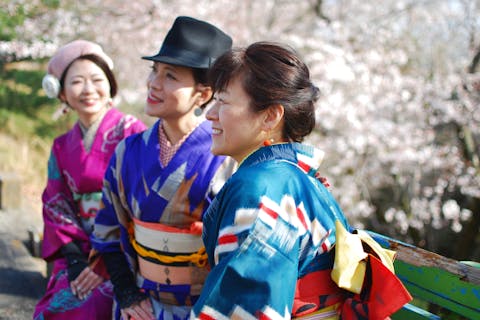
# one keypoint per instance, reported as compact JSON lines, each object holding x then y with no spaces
{"x":71,"y":199}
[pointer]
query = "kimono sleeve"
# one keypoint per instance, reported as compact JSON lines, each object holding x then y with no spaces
{"x":255,"y":257}
{"x":136,"y":127}
{"x":59,"y":213}
{"x":106,"y":233}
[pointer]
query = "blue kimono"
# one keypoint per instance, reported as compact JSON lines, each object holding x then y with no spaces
{"x":272,"y":224}
{"x":152,"y":213}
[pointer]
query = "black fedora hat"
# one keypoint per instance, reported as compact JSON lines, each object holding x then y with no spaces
{"x":192,"y":43}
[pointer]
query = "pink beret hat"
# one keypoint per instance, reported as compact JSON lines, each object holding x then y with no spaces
{"x":64,"y":57}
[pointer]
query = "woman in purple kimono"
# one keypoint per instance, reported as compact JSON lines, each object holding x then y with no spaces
{"x":80,"y":75}
{"x":160,"y":182}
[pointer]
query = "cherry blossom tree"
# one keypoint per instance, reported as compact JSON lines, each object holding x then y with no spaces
{"x":398,"y":118}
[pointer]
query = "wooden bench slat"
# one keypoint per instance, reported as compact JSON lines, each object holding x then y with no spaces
{"x":411,"y":312}
{"x":441,"y":288}
{"x":436,"y":279}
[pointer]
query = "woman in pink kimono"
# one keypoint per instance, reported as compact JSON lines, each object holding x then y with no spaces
{"x":80,"y":75}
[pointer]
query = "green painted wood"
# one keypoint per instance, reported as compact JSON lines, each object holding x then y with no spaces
{"x":411,"y":312}
{"x":440,"y":287}
{"x":448,"y":283}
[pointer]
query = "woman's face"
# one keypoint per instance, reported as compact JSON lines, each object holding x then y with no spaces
{"x":237,"y":129}
{"x":86,"y":89}
{"x":172,"y":91}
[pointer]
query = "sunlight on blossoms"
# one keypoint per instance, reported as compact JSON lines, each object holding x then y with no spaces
{"x":451,"y":209}
{"x":402,"y":220}
{"x":420,"y":206}
{"x":389,"y":215}
{"x":465,"y":214}
{"x":338,"y":70}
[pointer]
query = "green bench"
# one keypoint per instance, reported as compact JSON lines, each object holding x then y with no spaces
{"x":442,"y":288}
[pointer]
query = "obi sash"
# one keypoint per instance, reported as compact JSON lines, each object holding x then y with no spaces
{"x":172,"y":262}
{"x":362,"y":284}
{"x":327,"y":313}
{"x":317,"y":297}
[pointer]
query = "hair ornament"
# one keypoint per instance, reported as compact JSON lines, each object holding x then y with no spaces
{"x":62,"y":110}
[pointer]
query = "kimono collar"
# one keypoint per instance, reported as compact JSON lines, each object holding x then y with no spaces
{"x":306,"y":157}
{"x":89,"y":133}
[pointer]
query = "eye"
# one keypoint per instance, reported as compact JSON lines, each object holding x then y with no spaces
{"x":218,"y":98}
{"x":153,"y":67}
{"x":170,"y":75}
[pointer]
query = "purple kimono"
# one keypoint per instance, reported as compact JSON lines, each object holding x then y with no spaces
{"x":148,"y":207}
{"x":70,"y":201}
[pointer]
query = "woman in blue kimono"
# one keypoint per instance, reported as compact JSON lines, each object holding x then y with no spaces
{"x":159,"y":184}
{"x":270,"y":231}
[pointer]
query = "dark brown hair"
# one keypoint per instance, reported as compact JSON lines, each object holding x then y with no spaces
{"x":200,"y":75}
{"x":271,"y":74}
{"x":102,"y":65}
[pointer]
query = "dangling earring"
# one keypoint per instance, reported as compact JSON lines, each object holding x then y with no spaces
{"x":268,"y":142}
{"x":64,"y":108}
{"x":198,"y":112}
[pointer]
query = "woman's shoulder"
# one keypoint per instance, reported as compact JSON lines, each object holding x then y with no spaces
{"x":73,"y":133}
{"x":125,"y":120}
{"x":275,"y":170}
{"x":263,"y":175}
{"x":139,"y":140}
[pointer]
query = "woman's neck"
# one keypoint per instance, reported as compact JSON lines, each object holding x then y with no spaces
{"x":176,"y":130}
{"x":88,"y":120}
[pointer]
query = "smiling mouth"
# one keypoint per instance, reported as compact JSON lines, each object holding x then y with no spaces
{"x":89,"y":102}
{"x":153,"y":100}
{"x":216,"y":131}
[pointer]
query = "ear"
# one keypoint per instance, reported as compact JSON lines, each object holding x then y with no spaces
{"x":62,"y":96}
{"x":204,"y":93}
{"x":273,"y":120}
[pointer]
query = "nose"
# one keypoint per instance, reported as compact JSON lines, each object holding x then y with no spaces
{"x":212,"y":112}
{"x":89,"y":86}
{"x":154,"y":81}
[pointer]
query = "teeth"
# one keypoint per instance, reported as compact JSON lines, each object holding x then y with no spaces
{"x":216,"y":131}
{"x":152,"y":98}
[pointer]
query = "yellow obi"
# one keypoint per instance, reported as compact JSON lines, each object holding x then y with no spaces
{"x":169,"y":255}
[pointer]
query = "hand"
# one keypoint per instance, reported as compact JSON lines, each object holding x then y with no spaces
{"x":86,"y":281}
{"x":139,"y":311}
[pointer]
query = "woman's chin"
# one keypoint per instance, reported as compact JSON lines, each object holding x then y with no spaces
{"x":217,"y":151}
{"x":150,"y":111}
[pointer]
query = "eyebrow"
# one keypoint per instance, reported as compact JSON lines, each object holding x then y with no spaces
{"x":96,"y":74}
{"x":167,"y":66}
